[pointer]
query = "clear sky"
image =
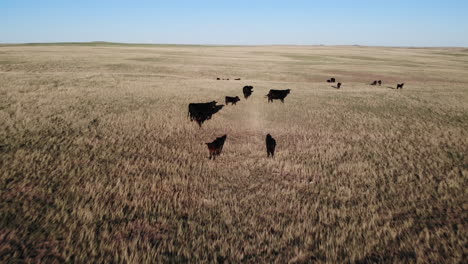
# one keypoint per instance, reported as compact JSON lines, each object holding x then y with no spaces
{"x":249,"y":22}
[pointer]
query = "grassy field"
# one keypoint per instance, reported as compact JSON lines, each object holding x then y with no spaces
{"x":99,"y":162}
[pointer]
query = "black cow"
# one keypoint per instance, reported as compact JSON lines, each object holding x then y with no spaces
{"x":331,"y":80}
{"x":247,"y":90}
{"x":380,"y":82}
{"x":232,"y":100}
{"x":203,"y":116}
{"x":278,"y":95}
{"x":195,"y":108}
{"x":237,"y":79}
{"x":270,"y":145}
{"x":203,"y":111}
{"x":216,"y":109}
{"x":400,"y":85}
{"x":374,"y":83}
{"x":338,"y":86}
{"x":216,"y":146}
{"x":218,"y":79}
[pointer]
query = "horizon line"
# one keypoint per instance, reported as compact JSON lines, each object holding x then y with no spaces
{"x":207,"y":45}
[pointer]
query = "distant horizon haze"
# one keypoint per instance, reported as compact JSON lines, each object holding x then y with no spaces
{"x":99,"y":42}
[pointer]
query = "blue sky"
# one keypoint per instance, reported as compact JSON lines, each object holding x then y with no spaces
{"x":298,"y":22}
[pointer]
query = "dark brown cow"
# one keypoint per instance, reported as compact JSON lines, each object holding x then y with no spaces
{"x":338,"y":86}
{"x":400,"y":85}
{"x":331,"y":80}
{"x":247,"y":90}
{"x":216,"y":146}
{"x":270,"y":145}
{"x":380,"y":82}
{"x":237,"y":79}
{"x":218,"y":79}
{"x":232,"y":100}
{"x":374,"y":83}
{"x":278,"y":95}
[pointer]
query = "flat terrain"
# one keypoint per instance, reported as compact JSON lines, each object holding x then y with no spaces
{"x":99,"y":162}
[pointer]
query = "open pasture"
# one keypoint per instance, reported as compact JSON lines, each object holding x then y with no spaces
{"x":100,"y":163}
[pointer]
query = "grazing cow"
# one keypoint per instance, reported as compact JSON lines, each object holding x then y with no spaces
{"x":232,"y":100}
{"x":338,"y":86}
{"x":218,"y":79}
{"x":216,"y":146}
{"x":331,"y":80}
{"x":270,"y":145}
{"x":195,"y":108}
{"x":278,"y":95}
{"x":374,"y":83}
{"x":238,"y":79}
{"x":227,"y":79}
{"x":400,"y":85}
{"x":380,"y":82}
{"x":247,"y":90}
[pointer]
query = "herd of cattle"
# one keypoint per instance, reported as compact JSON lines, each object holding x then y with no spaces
{"x":201,"y":112}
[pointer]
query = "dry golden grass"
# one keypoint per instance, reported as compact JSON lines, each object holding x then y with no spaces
{"x":99,"y":162}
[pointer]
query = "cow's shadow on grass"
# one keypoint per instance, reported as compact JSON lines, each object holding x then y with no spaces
{"x":390,"y":87}
{"x":336,"y":87}
{"x":3,"y":147}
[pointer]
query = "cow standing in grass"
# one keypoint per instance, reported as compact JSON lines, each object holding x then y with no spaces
{"x":216,"y":147}
{"x":195,"y":108}
{"x":200,"y":112}
{"x":232,"y":100}
{"x":277,"y":95}
{"x":247,"y":90}
{"x":270,"y":145}
{"x":202,"y":116}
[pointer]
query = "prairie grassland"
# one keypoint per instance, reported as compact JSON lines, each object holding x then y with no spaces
{"x":99,"y":162}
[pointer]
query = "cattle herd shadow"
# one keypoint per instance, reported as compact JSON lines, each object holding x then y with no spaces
{"x":337,"y":86}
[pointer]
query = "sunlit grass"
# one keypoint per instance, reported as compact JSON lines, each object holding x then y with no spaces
{"x":99,"y":162}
